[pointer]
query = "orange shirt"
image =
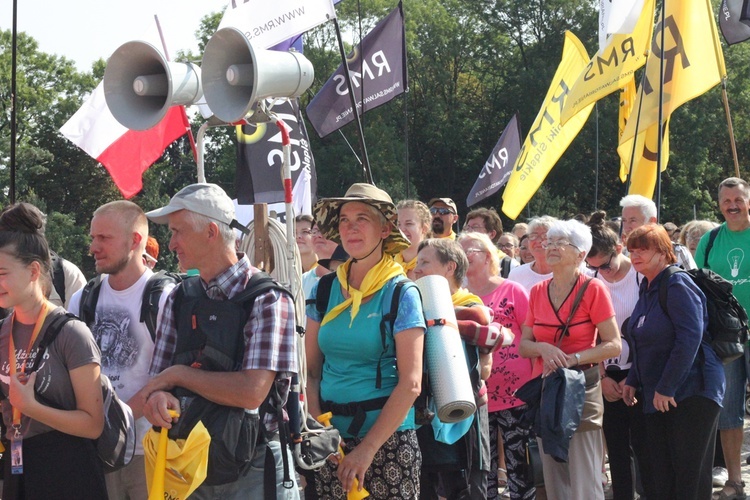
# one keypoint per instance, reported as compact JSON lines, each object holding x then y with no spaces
{"x":547,"y":324}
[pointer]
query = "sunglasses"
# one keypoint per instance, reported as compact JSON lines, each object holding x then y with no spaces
{"x":440,"y":210}
{"x":604,"y":267}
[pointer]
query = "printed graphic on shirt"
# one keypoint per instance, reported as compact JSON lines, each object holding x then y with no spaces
{"x":505,"y":315}
{"x":117,"y":342}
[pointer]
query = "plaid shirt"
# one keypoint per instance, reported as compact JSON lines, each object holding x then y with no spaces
{"x":270,"y":339}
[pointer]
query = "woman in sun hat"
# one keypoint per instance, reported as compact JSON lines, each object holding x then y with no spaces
{"x":365,"y":370}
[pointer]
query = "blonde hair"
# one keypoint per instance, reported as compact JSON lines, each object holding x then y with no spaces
{"x":486,"y":244}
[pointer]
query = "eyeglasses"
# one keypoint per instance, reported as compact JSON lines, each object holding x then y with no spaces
{"x":473,"y":250}
{"x":440,"y":210}
{"x":475,"y":228}
{"x":536,"y":236}
{"x":315,"y":231}
{"x":557,"y":244}
{"x":604,"y":267}
{"x":505,"y":246}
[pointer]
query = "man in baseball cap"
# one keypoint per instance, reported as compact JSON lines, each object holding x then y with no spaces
{"x":201,"y":219}
{"x":444,"y":215}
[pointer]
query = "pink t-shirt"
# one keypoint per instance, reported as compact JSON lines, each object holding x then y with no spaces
{"x":510,"y":371}
{"x":547,"y":324}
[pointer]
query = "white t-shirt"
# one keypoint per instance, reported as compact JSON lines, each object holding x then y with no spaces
{"x":624,"y":294}
{"x":526,"y":276}
{"x":125,"y":342}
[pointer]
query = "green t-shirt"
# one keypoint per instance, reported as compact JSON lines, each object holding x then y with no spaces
{"x":730,"y":258}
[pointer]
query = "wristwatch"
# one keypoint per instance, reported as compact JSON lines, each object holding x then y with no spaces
{"x":578,"y":358}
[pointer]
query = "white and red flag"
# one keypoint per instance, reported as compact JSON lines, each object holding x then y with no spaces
{"x":125,"y":153}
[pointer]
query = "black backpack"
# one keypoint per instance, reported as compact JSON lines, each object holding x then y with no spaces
{"x":116,"y":444}
{"x":727,"y":319}
{"x":57,"y":273}
{"x":149,"y":303}
{"x":210,"y":336}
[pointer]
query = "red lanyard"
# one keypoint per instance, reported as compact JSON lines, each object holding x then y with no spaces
{"x":12,"y":352}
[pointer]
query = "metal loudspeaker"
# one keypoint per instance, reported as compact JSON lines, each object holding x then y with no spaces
{"x":236,"y":75}
{"x":140,"y":85}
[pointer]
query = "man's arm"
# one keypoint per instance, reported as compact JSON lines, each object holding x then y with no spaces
{"x":243,"y":389}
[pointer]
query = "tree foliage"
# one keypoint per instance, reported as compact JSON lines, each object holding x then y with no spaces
{"x":471,"y":65}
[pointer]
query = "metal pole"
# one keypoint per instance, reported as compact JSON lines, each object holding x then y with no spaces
{"x":661,"y":116}
{"x":13,"y":131}
{"x":596,"y":184}
{"x":350,"y":87}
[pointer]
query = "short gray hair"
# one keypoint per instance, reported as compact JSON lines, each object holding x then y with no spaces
{"x":545,"y":221}
{"x":577,"y":233}
{"x":198,"y":222}
{"x":647,"y":206}
{"x":448,"y":250}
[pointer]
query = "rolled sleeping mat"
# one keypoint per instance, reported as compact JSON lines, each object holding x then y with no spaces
{"x":444,"y":353}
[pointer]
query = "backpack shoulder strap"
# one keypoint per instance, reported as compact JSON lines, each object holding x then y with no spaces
{"x":151,"y":296}
{"x":50,"y":334}
{"x":58,"y":275}
{"x":258,"y":283}
{"x":711,"y":238}
{"x":323,"y":295}
{"x":89,"y":298}
{"x":664,"y":287}
{"x":505,"y":266}
{"x":389,"y":317}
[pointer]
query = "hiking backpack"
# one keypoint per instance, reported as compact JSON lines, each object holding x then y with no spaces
{"x":57,"y":274}
{"x":210,"y":336}
{"x":149,"y":303}
{"x":116,"y":444}
{"x":727,"y":319}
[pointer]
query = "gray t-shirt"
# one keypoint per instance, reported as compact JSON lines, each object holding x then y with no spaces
{"x":74,"y":347}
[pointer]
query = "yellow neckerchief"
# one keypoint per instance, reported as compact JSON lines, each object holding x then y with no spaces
{"x":408,"y":266}
{"x":463,"y":297}
{"x":374,"y":280}
{"x":500,"y":254}
{"x":12,"y":353}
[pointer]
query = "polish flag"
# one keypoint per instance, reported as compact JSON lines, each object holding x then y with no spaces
{"x":125,"y":153}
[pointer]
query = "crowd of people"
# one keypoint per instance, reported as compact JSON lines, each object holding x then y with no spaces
{"x":569,"y":348}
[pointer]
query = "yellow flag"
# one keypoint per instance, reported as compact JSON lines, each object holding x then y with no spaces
{"x":627,"y":100}
{"x":643,"y":176}
{"x":548,"y":138}
{"x":612,"y":67}
{"x":693,"y":62}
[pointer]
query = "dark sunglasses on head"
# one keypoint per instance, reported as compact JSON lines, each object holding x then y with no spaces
{"x":440,"y":210}
{"x":604,"y":267}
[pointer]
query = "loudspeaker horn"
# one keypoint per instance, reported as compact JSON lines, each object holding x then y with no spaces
{"x":140,"y":85}
{"x":236,"y":75}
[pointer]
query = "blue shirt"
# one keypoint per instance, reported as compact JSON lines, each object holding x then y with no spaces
{"x":671,"y":352}
{"x":351,"y":354}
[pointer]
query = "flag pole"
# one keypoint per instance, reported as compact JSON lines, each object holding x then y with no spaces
{"x":350,"y":87}
{"x":184,"y":113}
{"x":635,"y":137}
{"x":596,"y":184}
{"x":660,"y":132}
{"x":13,"y":131}
{"x":725,"y":98}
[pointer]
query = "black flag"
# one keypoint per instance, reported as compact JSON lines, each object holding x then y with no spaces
{"x":496,"y":171}
{"x":733,"y":16}
{"x":259,"y":157}
{"x":381,"y":77}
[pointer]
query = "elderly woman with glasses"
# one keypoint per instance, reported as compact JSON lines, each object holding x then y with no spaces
{"x":532,"y":273}
{"x":571,"y":324}
{"x":624,"y":426}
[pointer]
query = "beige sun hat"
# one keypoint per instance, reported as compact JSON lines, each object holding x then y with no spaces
{"x":326,"y":212}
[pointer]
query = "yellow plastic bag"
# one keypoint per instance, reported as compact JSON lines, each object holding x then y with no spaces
{"x":174,"y":469}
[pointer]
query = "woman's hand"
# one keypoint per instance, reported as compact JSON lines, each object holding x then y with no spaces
{"x":611,"y":390}
{"x":661,"y":403}
{"x":628,"y":395}
{"x":21,"y":391}
{"x":552,"y":357}
{"x":355,"y":465}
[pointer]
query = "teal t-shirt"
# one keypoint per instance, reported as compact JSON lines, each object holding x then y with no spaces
{"x":730,"y":258}
{"x":351,"y":354}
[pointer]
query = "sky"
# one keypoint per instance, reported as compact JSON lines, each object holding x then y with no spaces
{"x":86,"y":30}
